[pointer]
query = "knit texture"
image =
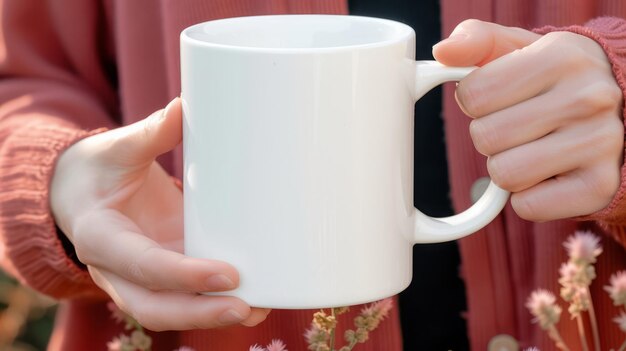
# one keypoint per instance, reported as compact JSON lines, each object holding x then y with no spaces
{"x":28,"y":159}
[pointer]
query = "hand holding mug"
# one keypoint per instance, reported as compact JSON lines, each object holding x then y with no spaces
{"x":123,"y":214}
{"x":546,"y":111}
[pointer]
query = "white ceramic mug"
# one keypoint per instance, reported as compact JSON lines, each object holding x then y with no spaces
{"x":298,"y":156}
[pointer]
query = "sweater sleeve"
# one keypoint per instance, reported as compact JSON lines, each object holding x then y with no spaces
{"x":53,"y":91}
{"x":610,"y":33}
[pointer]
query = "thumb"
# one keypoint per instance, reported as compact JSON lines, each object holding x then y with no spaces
{"x":476,"y":43}
{"x":156,"y":134}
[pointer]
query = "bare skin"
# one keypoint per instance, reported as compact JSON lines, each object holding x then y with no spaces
{"x":546,"y":111}
{"x":123,"y":214}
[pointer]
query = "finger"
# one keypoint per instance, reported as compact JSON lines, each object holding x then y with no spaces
{"x":535,"y":118}
{"x":535,"y":69}
{"x":109,"y":240}
{"x":517,"y":125}
{"x":166,"y":310}
{"x":584,"y":192}
{"x":160,"y":132}
{"x":558,"y":153}
{"x":514,"y":78}
{"x":475,"y":43}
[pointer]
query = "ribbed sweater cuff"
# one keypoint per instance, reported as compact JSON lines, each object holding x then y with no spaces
{"x":27,"y":160}
{"x":610,"y":33}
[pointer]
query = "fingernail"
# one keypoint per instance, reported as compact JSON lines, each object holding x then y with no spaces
{"x":454,"y":38}
{"x":220,"y":282}
{"x":230,"y":317}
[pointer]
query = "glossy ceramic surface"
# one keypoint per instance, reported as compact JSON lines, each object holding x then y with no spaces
{"x":298,"y":145}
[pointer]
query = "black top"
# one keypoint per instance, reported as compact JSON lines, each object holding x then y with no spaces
{"x":431,"y":307}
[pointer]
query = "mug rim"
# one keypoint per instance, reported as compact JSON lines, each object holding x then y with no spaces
{"x":402,"y":33}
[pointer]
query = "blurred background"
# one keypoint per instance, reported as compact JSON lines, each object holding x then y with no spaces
{"x":26,"y":317}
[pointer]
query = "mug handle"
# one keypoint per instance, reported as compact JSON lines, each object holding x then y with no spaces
{"x":429,"y":229}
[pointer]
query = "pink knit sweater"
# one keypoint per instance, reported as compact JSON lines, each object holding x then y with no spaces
{"x":67,"y":67}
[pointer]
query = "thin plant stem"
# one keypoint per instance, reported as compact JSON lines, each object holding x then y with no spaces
{"x":332,"y":332}
{"x":556,"y":337}
{"x":581,"y":332}
{"x":623,"y":347}
{"x":594,"y":323}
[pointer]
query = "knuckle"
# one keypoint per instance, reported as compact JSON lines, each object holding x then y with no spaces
{"x":599,"y":96}
{"x":561,"y":37}
{"x":602,"y":185}
{"x":611,"y":137}
{"x":147,"y":126}
{"x":134,"y":271}
{"x":563,"y":45}
{"x":613,"y":92}
{"x":576,"y":58}
{"x":470,"y":23}
{"x":605,"y":141}
{"x":137,"y":273}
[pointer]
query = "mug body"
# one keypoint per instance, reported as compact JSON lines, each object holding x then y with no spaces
{"x":298,"y":156}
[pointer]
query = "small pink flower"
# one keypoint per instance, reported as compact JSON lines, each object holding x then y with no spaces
{"x":114,"y":345}
{"x":532,"y":349}
{"x":621,"y":321}
{"x":379,"y":309}
{"x":568,"y":272}
{"x":315,"y":336}
{"x":121,"y":343}
{"x":571,"y":276}
{"x":257,"y":348}
{"x":617,"y":289}
{"x":116,"y":313}
{"x":542,"y":306}
{"x":583,"y":247}
{"x":276,"y":345}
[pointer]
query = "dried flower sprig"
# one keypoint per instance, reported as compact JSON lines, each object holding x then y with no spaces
{"x":368,"y":320}
{"x":275,"y":345}
{"x":320,"y":336}
{"x":617,"y":288}
{"x":542,"y":305}
{"x":617,"y":292}
{"x":317,"y":338}
{"x":576,"y":275}
{"x":138,"y":340}
{"x":583,"y":248}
